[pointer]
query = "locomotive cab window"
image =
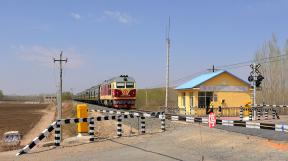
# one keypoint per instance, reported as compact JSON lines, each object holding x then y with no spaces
{"x":120,"y":85}
{"x":129,"y":85}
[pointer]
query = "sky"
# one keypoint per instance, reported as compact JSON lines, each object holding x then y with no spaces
{"x":107,"y":38}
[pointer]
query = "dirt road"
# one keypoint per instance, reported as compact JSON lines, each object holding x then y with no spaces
{"x":185,"y":142}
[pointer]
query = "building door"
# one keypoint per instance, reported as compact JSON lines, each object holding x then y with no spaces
{"x":204,"y":99}
{"x":209,"y":98}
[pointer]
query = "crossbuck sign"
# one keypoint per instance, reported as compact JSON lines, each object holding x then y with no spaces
{"x":212,"y":120}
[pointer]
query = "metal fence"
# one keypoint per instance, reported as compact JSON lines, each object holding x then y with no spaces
{"x":200,"y":112}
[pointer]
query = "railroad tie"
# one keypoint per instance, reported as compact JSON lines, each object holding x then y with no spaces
{"x":119,"y":125}
{"x":142,"y":125}
{"x":91,"y":129}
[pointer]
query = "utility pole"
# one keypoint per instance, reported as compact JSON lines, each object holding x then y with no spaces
{"x":167,"y":64}
{"x":213,"y":69}
{"x":59,"y":94}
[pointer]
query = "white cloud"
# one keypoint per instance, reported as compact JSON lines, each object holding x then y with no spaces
{"x":76,"y":16}
{"x":44,"y":56}
{"x":119,"y":16}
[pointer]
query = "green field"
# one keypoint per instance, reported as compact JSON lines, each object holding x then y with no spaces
{"x":155,"y":98}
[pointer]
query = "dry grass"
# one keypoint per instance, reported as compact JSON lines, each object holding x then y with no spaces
{"x":69,"y":111}
{"x":155,"y":98}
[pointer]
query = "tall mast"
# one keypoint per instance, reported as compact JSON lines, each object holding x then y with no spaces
{"x":167,"y":63}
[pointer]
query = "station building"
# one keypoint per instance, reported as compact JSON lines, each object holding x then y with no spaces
{"x":220,"y":87}
{"x":50,"y":99}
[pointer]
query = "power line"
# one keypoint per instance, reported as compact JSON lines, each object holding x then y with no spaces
{"x":261,"y":62}
{"x":229,"y":66}
{"x":177,"y":80}
{"x":251,"y":61}
{"x":237,"y":65}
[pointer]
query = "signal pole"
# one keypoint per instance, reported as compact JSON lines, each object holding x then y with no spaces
{"x":59,"y":94}
{"x":253,"y":79}
{"x":167,"y":65}
{"x":254,"y":88}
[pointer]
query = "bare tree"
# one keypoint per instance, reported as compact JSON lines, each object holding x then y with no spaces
{"x":273,"y":68}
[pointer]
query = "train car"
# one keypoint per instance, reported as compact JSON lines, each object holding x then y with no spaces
{"x":93,"y":95}
{"x":118,"y":92}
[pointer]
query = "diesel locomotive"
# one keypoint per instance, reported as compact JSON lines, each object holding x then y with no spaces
{"x":118,"y":92}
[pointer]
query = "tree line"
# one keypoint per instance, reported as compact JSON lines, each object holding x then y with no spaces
{"x":274,"y":66}
{"x":1,"y":94}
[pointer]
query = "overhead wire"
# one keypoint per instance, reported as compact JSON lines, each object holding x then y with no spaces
{"x":261,"y":61}
{"x":229,"y":66}
{"x":251,"y":61}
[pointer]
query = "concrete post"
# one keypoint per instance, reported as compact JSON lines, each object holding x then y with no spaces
{"x":258,"y":114}
{"x":273,"y":113}
{"x":119,"y":125}
{"x":250,"y":114}
{"x":91,"y":129}
{"x":241,"y":113}
{"x":57,"y":134}
{"x":142,"y":125}
{"x":266,"y":114}
{"x":162,"y":122}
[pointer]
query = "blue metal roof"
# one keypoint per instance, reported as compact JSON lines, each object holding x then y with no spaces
{"x":199,"y":80}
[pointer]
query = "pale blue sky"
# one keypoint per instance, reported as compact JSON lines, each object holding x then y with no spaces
{"x":107,"y":38}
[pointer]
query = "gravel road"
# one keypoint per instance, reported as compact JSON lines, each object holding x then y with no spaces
{"x":184,"y":142}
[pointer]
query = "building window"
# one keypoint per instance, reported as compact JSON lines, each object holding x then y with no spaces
{"x":215,"y":98}
{"x":204,"y":99}
{"x":191,"y":100}
{"x":183,"y":99}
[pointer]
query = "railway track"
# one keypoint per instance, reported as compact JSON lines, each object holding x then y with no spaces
{"x":153,"y":123}
{"x":99,"y":107}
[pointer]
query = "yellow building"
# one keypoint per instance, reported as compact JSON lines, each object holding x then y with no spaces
{"x":220,"y":87}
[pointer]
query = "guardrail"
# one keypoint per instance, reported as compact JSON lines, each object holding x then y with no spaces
{"x":91,"y":120}
{"x":261,"y":109}
{"x":239,"y":123}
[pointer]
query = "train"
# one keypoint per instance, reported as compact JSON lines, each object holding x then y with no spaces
{"x":118,"y":92}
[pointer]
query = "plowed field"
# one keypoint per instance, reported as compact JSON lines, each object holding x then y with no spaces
{"x":20,"y":117}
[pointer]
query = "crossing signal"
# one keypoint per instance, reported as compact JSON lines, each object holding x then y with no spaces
{"x":260,"y":77}
{"x":259,"y":80}
{"x":250,"y":78}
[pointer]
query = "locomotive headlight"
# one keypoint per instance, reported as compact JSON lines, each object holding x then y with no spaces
{"x":117,"y":93}
{"x":132,"y":93}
